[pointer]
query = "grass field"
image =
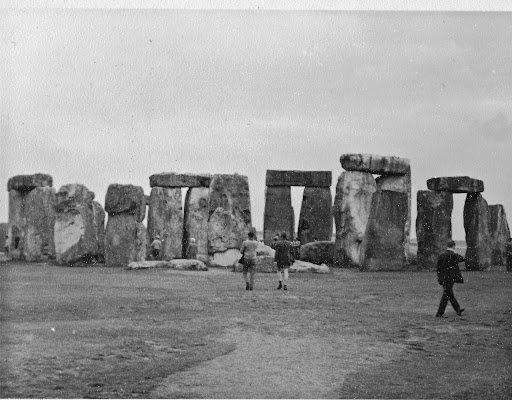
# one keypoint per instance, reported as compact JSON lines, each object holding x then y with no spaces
{"x":101,"y":333}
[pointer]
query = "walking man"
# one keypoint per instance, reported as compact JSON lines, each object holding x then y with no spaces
{"x":448,"y":273}
{"x":283,"y":258}
{"x":248,"y":250}
{"x":156,"y":245}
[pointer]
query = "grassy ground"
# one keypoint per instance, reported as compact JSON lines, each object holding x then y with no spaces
{"x":103,"y":333}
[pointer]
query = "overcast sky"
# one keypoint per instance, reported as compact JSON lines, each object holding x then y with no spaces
{"x":114,"y":96}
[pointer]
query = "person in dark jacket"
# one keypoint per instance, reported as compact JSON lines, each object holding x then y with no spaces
{"x":283,"y":258}
{"x":448,"y":273}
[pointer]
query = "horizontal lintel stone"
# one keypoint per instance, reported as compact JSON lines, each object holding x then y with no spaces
{"x":29,"y":182}
{"x":456,"y":184}
{"x":299,"y":178}
{"x":171,"y":179}
{"x":375,"y":164}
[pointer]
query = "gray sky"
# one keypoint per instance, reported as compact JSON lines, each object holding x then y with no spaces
{"x":114,"y":96}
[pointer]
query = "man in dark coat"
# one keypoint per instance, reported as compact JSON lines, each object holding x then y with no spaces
{"x":448,"y":273}
{"x":283,"y":258}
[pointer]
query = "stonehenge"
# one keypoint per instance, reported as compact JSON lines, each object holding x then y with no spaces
{"x":31,"y":217}
{"x":500,"y":233}
{"x":315,"y":221}
{"x":372,"y":215}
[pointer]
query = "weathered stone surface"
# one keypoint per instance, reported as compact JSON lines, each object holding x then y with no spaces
{"x":4,"y":229}
{"x":315,"y":215}
{"x":226,"y":230}
{"x":99,"y":223}
{"x":226,"y":258}
{"x":75,"y":234}
{"x":383,"y":243}
{"x":178,"y":263}
{"x":125,"y":240}
{"x":433,"y":226}
{"x":318,"y":252}
{"x":456,"y":184}
{"x":304,"y":266}
{"x":351,"y":212}
{"x":299,"y":178}
{"x":175,"y":180}
{"x":402,"y":184}
{"x":195,"y":223}
{"x":166,"y":220}
{"x":29,"y":182}
{"x":279,"y":215}
{"x":500,"y":233}
{"x":127,"y":199}
{"x":31,"y":224}
{"x":229,"y":209}
{"x":375,"y":164}
{"x":478,"y":238}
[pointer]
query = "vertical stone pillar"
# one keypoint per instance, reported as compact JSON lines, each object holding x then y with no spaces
{"x":279,"y":215}
{"x":382,"y":247}
{"x":402,"y":184}
{"x":31,"y":217}
{"x":500,"y":233}
{"x":165,"y":219}
{"x":125,"y":236}
{"x":315,"y":215}
{"x":229,"y":221}
{"x":433,"y":226}
{"x":99,"y":223}
{"x":478,"y":239}
{"x":196,"y":219}
{"x":76,"y":238}
{"x":351,"y":212}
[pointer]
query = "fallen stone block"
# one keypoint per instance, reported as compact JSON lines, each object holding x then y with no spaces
{"x":456,"y":184}
{"x":375,"y":164}
{"x":303,"y":266}
{"x":179,"y":264}
{"x":175,"y":180}
{"x":320,"y":252}
{"x":299,"y":178}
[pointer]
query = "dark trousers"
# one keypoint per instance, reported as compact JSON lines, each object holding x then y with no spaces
{"x":448,"y":295}
{"x":156,"y":254}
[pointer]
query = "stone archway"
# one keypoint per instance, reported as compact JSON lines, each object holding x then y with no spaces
{"x":315,"y":220}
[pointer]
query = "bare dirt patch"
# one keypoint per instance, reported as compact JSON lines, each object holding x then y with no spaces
{"x":100,"y":332}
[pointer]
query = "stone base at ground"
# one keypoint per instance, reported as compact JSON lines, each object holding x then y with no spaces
{"x":303,"y":266}
{"x":318,"y":252}
{"x":178,"y":263}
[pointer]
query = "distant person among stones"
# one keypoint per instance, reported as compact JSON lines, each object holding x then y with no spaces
{"x":156,"y":245}
{"x":509,"y":255}
{"x":448,"y":273}
{"x":248,"y":250}
{"x":276,"y":239}
{"x":296,"y":248}
{"x":283,"y":258}
{"x":192,"y":249}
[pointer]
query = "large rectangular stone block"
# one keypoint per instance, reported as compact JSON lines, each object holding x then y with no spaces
{"x":279,"y":215}
{"x":195,"y":224}
{"x":433,"y":226}
{"x":125,"y":240}
{"x":174,"y":180}
{"x":29,"y":182}
{"x":456,"y":184}
{"x":375,"y":164}
{"x":299,"y":178}
{"x":383,"y":243}
{"x":478,"y":238}
{"x":316,"y":219}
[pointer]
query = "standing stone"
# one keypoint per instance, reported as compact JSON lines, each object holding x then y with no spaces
{"x":315,"y":215}
{"x":31,"y":219}
{"x":125,"y":236}
{"x":196,"y":219}
{"x":166,"y":220}
{"x":279,"y":215}
{"x":125,"y":240}
{"x":76,"y":236}
{"x":478,"y":238}
{"x":99,"y":223}
{"x":433,"y":226}
{"x":351,"y":212}
{"x":500,"y":233}
{"x":402,"y":184}
{"x":229,"y":209}
{"x":382,"y":247}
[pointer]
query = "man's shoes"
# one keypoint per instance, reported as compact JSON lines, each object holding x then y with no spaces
{"x":285,"y":288}
{"x":250,"y":287}
{"x":247,"y":286}
{"x":280,"y":285}
{"x":460,"y":311}
{"x":440,"y":316}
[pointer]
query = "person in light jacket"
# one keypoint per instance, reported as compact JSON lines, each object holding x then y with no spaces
{"x":248,"y":250}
